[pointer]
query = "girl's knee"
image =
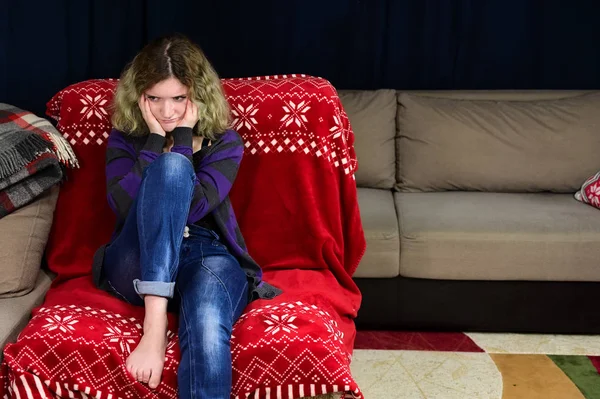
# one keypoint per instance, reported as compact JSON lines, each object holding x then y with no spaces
{"x":172,"y":165}
{"x":173,"y":159}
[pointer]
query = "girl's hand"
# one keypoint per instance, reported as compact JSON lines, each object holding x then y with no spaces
{"x":153,"y":125}
{"x":191,"y":115}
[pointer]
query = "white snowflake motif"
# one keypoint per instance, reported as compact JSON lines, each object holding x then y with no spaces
{"x":295,"y":113}
{"x":336,"y":130}
{"x":244,"y":117}
{"x":94,"y":106}
{"x":594,"y":194}
{"x":334,"y":331}
{"x":115,"y":334}
{"x":283,"y":323}
{"x":64,"y":324}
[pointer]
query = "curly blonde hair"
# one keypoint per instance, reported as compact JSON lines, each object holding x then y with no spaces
{"x":171,"y":56}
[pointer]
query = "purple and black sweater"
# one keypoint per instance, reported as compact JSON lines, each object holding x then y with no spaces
{"x":216,"y":167}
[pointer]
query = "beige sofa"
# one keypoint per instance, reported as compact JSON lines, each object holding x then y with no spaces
{"x":468,"y":209}
{"x":24,"y":281}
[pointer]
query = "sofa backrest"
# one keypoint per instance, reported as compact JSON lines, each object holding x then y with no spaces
{"x":505,"y":141}
{"x":373,"y":118}
{"x":498,"y":95}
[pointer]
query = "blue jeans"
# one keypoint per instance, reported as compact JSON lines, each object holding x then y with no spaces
{"x":151,"y":257}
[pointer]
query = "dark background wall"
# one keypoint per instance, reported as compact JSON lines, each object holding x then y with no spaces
{"x":358,"y":44}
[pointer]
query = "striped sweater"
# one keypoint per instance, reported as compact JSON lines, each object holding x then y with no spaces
{"x":216,"y":167}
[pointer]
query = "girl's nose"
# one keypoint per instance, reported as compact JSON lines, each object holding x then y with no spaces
{"x":167,"y":109}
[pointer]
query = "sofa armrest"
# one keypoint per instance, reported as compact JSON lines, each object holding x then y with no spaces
{"x":15,"y":312}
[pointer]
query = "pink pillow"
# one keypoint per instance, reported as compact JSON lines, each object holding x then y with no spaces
{"x":590,"y":191}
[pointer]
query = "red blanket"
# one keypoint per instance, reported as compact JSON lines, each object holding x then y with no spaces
{"x":295,"y":195}
{"x":295,"y":200}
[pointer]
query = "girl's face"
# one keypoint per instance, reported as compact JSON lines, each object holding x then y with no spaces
{"x":167,"y":100}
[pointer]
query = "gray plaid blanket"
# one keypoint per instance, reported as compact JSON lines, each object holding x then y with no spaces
{"x":33,"y":155}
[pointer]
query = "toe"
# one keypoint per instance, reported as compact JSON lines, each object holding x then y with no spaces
{"x":154,"y":379}
{"x":139,"y":375}
{"x":146,"y":375}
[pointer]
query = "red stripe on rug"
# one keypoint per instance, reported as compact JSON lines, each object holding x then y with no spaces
{"x":417,"y":341}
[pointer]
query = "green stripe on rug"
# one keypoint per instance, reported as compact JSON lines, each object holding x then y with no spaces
{"x":582,"y":372}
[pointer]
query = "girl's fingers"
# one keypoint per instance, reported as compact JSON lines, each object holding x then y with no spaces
{"x":142,"y":104}
{"x":146,"y":106}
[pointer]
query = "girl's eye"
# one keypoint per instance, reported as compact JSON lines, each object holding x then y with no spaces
{"x":151,"y":98}
{"x":180,"y":98}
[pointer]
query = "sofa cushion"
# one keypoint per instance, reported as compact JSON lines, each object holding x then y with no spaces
{"x":498,"y":236}
{"x":497,"y":145}
{"x":23,"y":234}
{"x":15,"y":312}
{"x":378,"y":215}
{"x":372,"y":116}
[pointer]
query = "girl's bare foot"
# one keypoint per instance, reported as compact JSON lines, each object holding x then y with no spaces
{"x":146,"y":362}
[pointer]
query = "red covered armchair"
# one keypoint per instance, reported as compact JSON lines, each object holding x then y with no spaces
{"x":295,"y":200}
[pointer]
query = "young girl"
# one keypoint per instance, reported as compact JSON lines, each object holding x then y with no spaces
{"x":170,"y":164}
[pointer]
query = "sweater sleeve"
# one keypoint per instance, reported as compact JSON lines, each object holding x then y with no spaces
{"x":215,"y":175}
{"x":182,"y":141}
{"x":124,"y":169}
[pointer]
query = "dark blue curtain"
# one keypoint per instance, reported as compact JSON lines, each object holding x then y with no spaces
{"x":356,"y":44}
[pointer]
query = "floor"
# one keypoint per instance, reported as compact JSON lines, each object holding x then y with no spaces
{"x":456,"y":365}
